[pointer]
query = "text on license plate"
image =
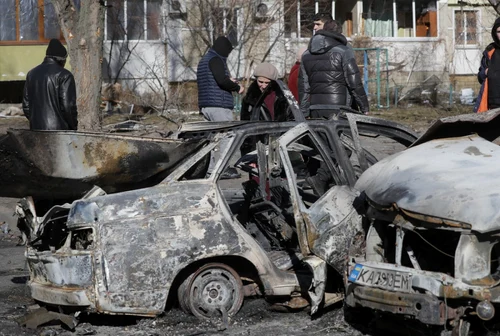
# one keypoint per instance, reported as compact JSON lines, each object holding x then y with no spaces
{"x":386,"y":279}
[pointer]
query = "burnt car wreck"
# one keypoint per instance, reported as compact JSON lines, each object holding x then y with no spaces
{"x":204,"y":242}
{"x":431,"y":229}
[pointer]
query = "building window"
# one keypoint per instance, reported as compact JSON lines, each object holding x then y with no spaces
{"x":133,"y":19}
{"x":299,"y":16}
{"x":466,"y":27}
{"x":28,"y":21}
{"x":400,"y":18}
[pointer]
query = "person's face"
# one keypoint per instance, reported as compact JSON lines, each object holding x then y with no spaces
{"x":498,"y":33}
{"x":263,"y":82}
{"x":318,"y":25}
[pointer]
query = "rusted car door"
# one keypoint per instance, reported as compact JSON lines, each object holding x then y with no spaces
{"x":325,"y":226}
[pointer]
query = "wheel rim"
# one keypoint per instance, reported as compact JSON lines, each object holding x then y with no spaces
{"x":215,"y":290}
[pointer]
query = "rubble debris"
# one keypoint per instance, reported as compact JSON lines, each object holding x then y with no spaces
{"x":4,"y":227}
{"x":41,"y":316}
{"x":12,"y":111}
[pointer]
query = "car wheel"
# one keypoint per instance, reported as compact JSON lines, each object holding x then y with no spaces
{"x":215,"y":290}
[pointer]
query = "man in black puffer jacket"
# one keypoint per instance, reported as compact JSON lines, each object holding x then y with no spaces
{"x":329,"y":77}
{"x":49,"y":99}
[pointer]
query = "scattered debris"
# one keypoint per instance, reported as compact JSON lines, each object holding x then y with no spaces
{"x":4,"y":227}
{"x":41,"y":316}
{"x":12,"y":111}
{"x":467,"y":97}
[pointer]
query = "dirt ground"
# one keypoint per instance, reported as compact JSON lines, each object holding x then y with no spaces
{"x":255,"y":318}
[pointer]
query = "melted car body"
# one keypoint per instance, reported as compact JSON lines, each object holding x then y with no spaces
{"x":432,"y":227}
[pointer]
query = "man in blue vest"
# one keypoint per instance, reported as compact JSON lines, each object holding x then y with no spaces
{"x":215,"y":87}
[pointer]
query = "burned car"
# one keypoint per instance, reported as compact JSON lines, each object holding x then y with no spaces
{"x":204,"y":242}
{"x":432,"y":228}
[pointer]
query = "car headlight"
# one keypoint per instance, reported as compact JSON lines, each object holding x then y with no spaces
{"x":485,"y":310}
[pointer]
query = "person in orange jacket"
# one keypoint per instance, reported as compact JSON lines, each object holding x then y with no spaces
{"x":293,"y":77}
{"x":489,"y":74}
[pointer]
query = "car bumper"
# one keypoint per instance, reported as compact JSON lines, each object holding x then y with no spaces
{"x":429,"y":308}
{"x":60,"y":296}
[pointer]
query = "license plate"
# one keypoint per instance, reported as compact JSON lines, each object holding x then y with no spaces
{"x":381,"y":278}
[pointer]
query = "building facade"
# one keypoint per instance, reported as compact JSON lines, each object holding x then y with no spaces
{"x":155,"y":45}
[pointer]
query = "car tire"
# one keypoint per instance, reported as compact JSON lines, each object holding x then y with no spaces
{"x":215,"y":290}
{"x":183,"y":295}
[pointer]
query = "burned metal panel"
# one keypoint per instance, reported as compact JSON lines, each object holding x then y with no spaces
{"x":318,"y":284}
{"x":65,"y":164}
{"x":62,"y":268}
{"x":332,"y":222}
{"x":63,"y":277}
{"x":373,"y":127}
{"x":446,"y":178}
{"x":327,"y":227}
{"x":486,"y":125}
{"x":135,"y":204}
{"x":423,"y":307}
{"x":367,"y":125}
{"x":62,"y":296}
{"x":434,"y":283}
{"x":164,"y":232}
{"x":473,"y":259}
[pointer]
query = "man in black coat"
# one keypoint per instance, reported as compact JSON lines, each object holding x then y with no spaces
{"x":329,"y":77}
{"x":49,"y":100}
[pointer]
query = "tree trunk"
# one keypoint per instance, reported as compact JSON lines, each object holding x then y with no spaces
{"x":83,"y":31}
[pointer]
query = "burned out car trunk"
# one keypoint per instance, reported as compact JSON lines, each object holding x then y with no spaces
{"x":64,"y":165}
{"x":432,"y":225}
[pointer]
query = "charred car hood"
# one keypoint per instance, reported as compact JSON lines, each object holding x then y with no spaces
{"x":452,"y":179}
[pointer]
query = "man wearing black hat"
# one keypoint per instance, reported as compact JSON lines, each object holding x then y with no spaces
{"x":49,"y":100}
{"x":215,"y":87}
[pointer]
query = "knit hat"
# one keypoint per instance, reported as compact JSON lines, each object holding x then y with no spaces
{"x":266,"y":70}
{"x":56,"y":49}
{"x":301,"y":51}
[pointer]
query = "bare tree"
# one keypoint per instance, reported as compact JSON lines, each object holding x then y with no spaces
{"x":496,"y":5}
{"x":83,"y":30}
{"x":254,"y":33}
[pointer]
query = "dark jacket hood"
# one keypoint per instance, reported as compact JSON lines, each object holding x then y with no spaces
{"x":222,"y":46}
{"x":494,"y":33}
{"x":324,"y":40}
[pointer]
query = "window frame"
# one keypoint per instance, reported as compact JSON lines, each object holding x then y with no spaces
{"x":478,"y":30}
{"x":396,"y":5}
{"x":145,"y":23}
{"x":41,"y":27}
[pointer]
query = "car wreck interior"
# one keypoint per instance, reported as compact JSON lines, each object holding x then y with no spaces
{"x":260,"y":199}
